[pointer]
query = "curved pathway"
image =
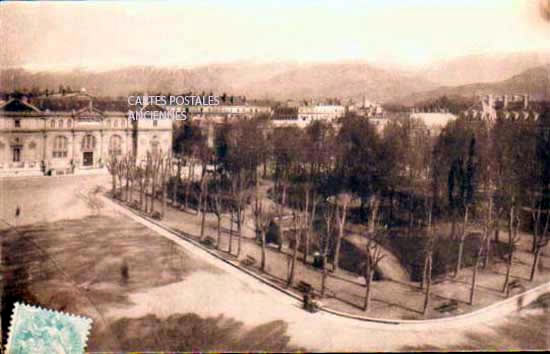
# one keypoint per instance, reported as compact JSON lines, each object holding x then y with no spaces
{"x":322,"y":330}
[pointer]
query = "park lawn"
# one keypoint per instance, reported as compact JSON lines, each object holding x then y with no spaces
{"x":89,"y":266}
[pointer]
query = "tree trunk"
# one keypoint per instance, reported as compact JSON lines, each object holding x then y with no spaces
{"x":374,"y":204}
{"x":219,"y":237}
{"x":540,"y":243}
{"x":239,"y":240}
{"x":306,"y":223}
{"x":324,"y":276}
{"x":294,"y":258}
{"x":474,"y":275}
{"x":510,"y":249}
{"x":461,"y":244}
{"x":114,"y":184}
{"x":141,"y":191}
{"x":203,"y":211}
{"x":262,"y":265}
{"x":368,"y":282}
{"x":535,"y":264}
{"x":428,"y":281}
{"x":309,"y":228}
{"x":339,"y":239}
{"x":230,"y":247}
{"x":153,"y":192}
{"x":488,"y":234}
{"x":164,"y":194}
{"x":126,"y":196}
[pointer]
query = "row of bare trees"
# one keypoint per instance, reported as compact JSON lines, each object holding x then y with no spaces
{"x":492,"y":175}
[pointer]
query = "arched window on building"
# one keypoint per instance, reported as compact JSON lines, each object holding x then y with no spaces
{"x":116,"y":123}
{"x":69,"y":123}
{"x":52,"y":123}
{"x":115,"y":146}
{"x":88,"y":143}
{"x":60,"y":147}
{"x":60,"y":123}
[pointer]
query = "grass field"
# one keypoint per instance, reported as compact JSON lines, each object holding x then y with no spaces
{"x":91,"y":266}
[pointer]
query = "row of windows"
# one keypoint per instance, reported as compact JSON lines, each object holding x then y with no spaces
{"x":60,"y":123}
{"x":61,"y":145}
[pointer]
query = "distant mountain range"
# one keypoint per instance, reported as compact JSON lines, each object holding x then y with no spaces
{"x":512,"y":74}
{"x":535,"y":82}
{"x":483,"y":68}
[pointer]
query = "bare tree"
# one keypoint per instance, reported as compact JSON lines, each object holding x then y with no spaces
{"x":156,"y":161}
{"x":177,"y":182}
{"x":481,"y":247}
{"x":217,"y":202}
{"x":165,"y":174}
{"x":541,"y":238}
{"x":313,"y":200}
{"x":112,"y":168}
{"x":342,"y":202}
{"x":462,"y":239}
{"x":262,"y":218}
{"x":373,"y":256}
{"x":203,"y":203}
{"x":298,"y":224}
{"x":325,"y":242}
{"x":131,"y":176}
{"x":513,"y":239}
{"x":239,"y":195}
{"x":428,"y":260}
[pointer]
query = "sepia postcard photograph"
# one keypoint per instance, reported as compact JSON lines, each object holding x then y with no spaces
{"x":274,"y":176}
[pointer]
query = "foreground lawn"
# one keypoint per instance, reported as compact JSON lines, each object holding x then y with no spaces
{"x":92,"y":266}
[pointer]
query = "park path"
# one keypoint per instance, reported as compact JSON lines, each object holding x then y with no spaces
{"x":255,"y":302}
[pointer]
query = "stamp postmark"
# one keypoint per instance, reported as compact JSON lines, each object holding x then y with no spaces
{"x":37,"y":330}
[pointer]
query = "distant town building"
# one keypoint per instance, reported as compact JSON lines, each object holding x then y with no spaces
{"x":327,"y":113}
{"x":514,"y":107}
{"x":367,"y":109}
{"x":233,"y":108}
{"x":435,"y":119}
{"x":73,"y":135}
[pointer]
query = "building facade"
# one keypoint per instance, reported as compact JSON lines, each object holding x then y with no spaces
{"x":35,"y":141}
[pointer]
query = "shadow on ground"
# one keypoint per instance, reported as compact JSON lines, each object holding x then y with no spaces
{"x":189,"y":332}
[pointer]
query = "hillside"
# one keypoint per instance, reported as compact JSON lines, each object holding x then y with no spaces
{"x":535,"y":82}
{"x":483,"y":68}
{"x":278,"y":80}
{"x":353,"y":79}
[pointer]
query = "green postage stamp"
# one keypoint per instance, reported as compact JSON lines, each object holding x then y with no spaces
{"x":35,"y":330}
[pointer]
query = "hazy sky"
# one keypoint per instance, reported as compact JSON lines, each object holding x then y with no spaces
{"x":104,"y":35}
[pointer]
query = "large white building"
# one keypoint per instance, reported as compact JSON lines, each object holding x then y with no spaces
{"x":326,"y":113}
{"x":36,"y":139}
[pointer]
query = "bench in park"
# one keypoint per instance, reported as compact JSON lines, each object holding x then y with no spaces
{"x":304,"y":287}
{"x":448,"y":306}
{"x":514,"y":284}
{"x":248,"y":261}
